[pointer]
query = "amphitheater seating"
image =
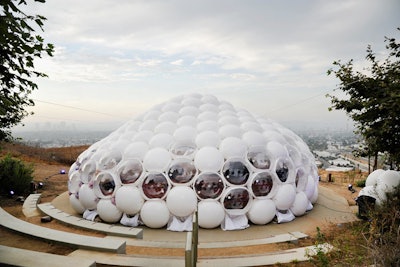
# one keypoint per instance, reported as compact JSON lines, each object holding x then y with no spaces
{"x":60,"y":237}
{"x":10,"y":256}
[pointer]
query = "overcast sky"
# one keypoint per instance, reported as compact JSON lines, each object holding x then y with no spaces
{"x":119,"y":58}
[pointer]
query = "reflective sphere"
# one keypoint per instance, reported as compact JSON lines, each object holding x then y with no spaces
{"x":182,"y":171}
{"x":209,"y":185}
{"x":155,"y":185}
{"x":235,"y":172}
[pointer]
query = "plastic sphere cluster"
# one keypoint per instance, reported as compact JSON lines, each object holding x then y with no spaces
{"x":380,"y":182}
{"x":191,"y":153}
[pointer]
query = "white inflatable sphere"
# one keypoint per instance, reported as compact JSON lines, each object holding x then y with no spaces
{"x":388,"y":180}
{"x":208,"y":159}
{"x":230,"y":130}
{"x":189,"y":111}
{"x":185,"y":134}
{"x":143,"y":136}
{"x":108,"y":212}
{"x":76,"y":204}
{"x":74,"y":183}
{"x":262,"y":211}
{"x":162,"y":140}
{"x":88,"y":170}
{"x":210,"y":213}
{"x":129,"y":199}
{"x":187,"y":121}
{"x":181,"y":201}
{"x":170,"y":116}
{"x":157,"y":159}
{"x":314,"y":197}
{"x":373,"y":176}
{"x":285,"y":196}
{"x":209,"y":125}
{"x":207,"y":138}
{"x":136,"y":150}
{"x":277,"y":150}
{"x":87,"y":197}
{"x":165,"y":127}
{"x":253,"y":138}
{"x":155,"y":213}
{"x":300,"y":204}
{"x":233,"y":147}
{"x":310,"y":187}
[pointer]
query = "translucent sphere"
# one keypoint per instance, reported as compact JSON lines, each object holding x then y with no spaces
{"x":182,"y":171}
{"x":209,"y":185}
{"x":235,"y":172}
{"x":155,"y":185}
{"x":236,"y":200}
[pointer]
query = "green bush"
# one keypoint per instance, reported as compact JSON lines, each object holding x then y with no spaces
{"x":15,"y":175}
{"x":361,"y":183}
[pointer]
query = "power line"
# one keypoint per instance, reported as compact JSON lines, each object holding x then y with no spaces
{"x":77,"y":108}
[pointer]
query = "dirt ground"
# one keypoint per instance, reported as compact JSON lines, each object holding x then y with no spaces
{"x":55,"y":183}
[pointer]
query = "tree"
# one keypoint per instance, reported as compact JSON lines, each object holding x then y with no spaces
{"x":19,"y":47}
{"x":373,"y":101}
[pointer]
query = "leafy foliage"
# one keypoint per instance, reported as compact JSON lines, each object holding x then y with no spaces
{"x":373,"y":100}
{"x":19,"y":47}
{"x":15,"y":175}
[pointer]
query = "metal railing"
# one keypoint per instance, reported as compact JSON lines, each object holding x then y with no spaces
{"x":192,"y":240}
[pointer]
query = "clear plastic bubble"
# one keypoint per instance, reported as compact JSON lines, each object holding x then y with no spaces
{"x":129,"y":171}
{"x":259,"y":157}
{"x":283,"y":169}
{"x":235,"y":172}
{"x":155,"y":185}
{"x":262,"y":184}
{"x":182,"y":171}
{"x":109,"y":160}
{"x":183,"y":149}
{"x":209,"y":185}
{"x":104,"y":184}
{"x":301,"y":179}
{"x":236,"y":200}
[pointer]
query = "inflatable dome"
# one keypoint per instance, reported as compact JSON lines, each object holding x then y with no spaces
{"x":195,"y":153}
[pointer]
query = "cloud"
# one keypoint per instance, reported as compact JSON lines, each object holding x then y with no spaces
{"x":143,"y":49}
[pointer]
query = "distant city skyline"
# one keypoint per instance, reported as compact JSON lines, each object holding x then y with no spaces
{"x":115,"y":60}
